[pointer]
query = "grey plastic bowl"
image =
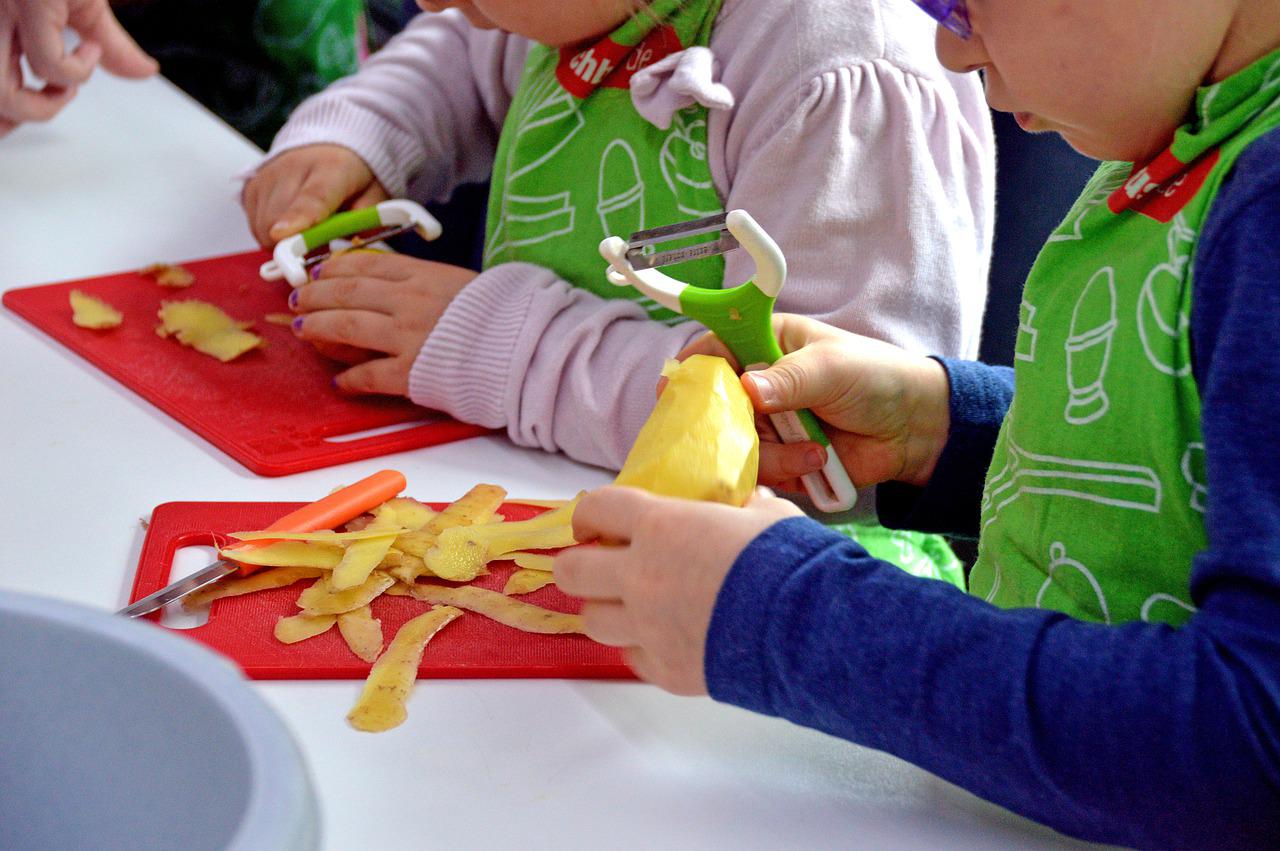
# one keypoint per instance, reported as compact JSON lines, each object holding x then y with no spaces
{"x":116,"y":734}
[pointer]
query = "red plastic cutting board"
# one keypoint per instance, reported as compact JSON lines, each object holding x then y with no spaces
{"x":472,"y":646}
{"x":271,"y":409}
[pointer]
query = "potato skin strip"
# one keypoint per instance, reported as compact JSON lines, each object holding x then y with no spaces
{"x":526,"y":581}
{"x":475,"y":507}
{"x":234,"y":586}
{"x":287,"y":554}
{"x":295,"y":628}
{"x":501,"y":608}
{"x":404,"y":511}
{"x":322,"y":599}
{"x":360,"y":559}
{"x":362,"y":632}
{"x":380,"y":706}
{"x":532,"y":561}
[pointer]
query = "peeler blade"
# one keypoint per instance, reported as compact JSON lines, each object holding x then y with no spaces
{"x":640,"y":248}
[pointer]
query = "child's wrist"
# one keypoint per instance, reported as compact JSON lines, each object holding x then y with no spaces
{"x":930,"y":420}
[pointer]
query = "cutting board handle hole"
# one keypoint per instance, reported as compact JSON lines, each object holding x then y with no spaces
{"x":352,"y":436}
{"x":187,"y":560}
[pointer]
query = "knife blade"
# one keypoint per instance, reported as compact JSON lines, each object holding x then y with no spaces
{"x":338,"y":507}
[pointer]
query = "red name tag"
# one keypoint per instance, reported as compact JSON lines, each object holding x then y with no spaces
{"x":1161,"y":188}
{"x":609,"y":64}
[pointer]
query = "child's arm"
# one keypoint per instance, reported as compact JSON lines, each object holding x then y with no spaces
{"x":1138,"y":734}
{"x":872,"y":176}
{"x":423,"y":110}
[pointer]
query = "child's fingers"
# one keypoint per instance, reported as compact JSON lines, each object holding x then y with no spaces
{"x":373,"y":194}
{"x":781,"y":462}
{"x":383,"y":265}
{"x":708,"y":344}
{"x":318,"y":196}
{"x":608,"y":514}
{"x":362,"y":328}
{"x":589,"y":573}
{"x":389,"y":376}
{"x":608,"y":623}
{"x":357,"y":293}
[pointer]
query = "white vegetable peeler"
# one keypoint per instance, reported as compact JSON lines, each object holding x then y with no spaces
{"x":293,"y":257}
{"x":742,"y":317}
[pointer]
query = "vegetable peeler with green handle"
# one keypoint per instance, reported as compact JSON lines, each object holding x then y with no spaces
{"x":295,"y":255}
{"x":742,"y":317}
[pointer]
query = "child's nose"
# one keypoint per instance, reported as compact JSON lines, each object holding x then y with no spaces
{"x":960,"y":54}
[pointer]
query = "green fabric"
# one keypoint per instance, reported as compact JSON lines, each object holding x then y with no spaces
{"x":315,"y":40}
{"x":576,"y":163}
{"x":927,"y":556}
{"x":1094,"y":502}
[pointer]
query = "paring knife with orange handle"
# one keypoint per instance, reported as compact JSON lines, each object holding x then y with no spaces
{"x":336,"y":508}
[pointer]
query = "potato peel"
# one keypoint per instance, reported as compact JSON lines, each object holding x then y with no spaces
{"x":233,"y":586}
{"x":91,"y":312}
{"x":380,"y":706}
{"x":526,"y":581}
{"x":501,"y":608}
{"x":322,"y":599}
{"x":462,"y":552}
{"x":205,"y":328}
{"x":295,"y":628}
{"x":287,"y":554}
{"x":362,"y":632}
{"x":169,"y":275}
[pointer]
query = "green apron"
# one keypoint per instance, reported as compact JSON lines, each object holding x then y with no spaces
{"x":1094,"y":502}
{"x":576,"y":163}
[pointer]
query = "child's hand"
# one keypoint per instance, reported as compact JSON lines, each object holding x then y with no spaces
{"x":887,"y":410}
{"x":304,"y":186}
{"x":365,"y":302}
{"x":651,"y":584}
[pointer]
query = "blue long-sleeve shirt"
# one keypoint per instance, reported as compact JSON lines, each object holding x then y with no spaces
{"x":1139,"y":734}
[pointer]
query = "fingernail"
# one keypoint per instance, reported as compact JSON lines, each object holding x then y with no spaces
{"x":814,"y":459}
{"x":765,"y":391}
{"x":293,"y":298}
{"x":315,"y":271}
{"x":297,"y":323}
{"x":333,"y":382}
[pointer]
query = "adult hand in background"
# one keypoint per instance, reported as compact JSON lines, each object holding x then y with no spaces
{"x":34,"y":29}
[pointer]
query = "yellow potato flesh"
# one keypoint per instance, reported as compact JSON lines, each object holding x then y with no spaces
{"x":700,"y":442}
{"x":205,"y":328}
{"x":461,"y":553}
{"x":322,"y":536}
{"x":279,"y":577}
{"x":287,"y":554}
{"x":525,"y":581}
{"x":360,"y":558}
{"x":533,"y":561}
{"x":405,"y":512}
{"x":297,"y":628}
{"x":476,"y":506}
{"x":381,"y":703}
{"x":90,"y":312}
{"x":513,"y":613}
{"x":322,"y":599}
{"x":362,"y":632}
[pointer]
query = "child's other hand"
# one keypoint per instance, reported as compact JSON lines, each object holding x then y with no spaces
{"x":375,"y":303}
{"x":304,"y":186}
{"x":886,"y":410}
{"x":651,"y":584}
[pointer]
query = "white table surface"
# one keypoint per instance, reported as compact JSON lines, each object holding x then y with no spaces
{"x":132,"y":173}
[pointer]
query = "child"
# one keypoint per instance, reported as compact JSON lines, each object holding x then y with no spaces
{"x":659,"y":112}
{"x":1134,"y":486}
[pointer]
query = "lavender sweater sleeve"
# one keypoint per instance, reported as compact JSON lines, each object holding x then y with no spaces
{"x":868,"y":163}
{"x":1137,"y":734}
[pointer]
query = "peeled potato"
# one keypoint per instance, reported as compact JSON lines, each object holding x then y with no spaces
{"x":700,"y":442}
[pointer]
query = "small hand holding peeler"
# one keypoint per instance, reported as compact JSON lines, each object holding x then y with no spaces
{"x":293,"y":256}
{"x":742,"y":317}
{"x":336,"y":508}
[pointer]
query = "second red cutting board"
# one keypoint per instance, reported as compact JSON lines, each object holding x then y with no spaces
{"x":242,"y":628}
{"x":272,"y":409}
